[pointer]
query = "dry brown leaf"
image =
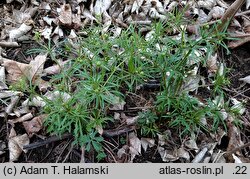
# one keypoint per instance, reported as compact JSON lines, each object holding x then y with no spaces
{"x":101,"y":6}
{"x":76,"y":19}
{"x":12,"y":133}
{"x":55,"y":69}
{"x":21,"y":110}
{"x":131,"y":120}
{"x":35,"y":101}
{"x":238,"y":43}
{"x":222,"y":3}
{"x":207,"y":4}
{"x":237,"y":106}
{"x":36,"y":67}
{"x":58,"y":31}
{"x":2,"y":147}
{"x":87,"y":14}
{"x":122,"y":151}
{"x":72,"y":34}
{"x":182,"y":153}
{"x":46,"y":33}
{"x":18,"y":32}
{"x":246,"y":25}
{"x":7,"y":94}
{"x":13,"y":102}
{"x":34,"y":125}
{"x":212,"y":63}
{"x":16,"y":146}
{"x":147,"y":142}
{"x":57,"y":95}
{"x":234,"y":135}
{"x":135,"y":145}
{"x":45,"y":6}
{"x":107,"y":21}
{"x":136,"y":6}
{"x":17,"y":71}
{"x":167,"y":155}
{"x":162,"y":139}
{"x":22,"y":118}
{"x":218,"y":157}
{"x":118,"y":103}
{"x":10,"y":1}
{"x":165,"y":3}
{"x":65,"y":15}
{"x":191,"y":83}
{"x":21,"y":17}
{"x":172,"y":6}
{"x":191,"y":144}
{"x":49,"y":20}
{"x":116,"y":116}
{"x":217,"y":12}
{"x":42,"y":84}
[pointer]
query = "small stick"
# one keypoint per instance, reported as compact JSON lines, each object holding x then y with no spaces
{"x":238,"y":148}
{"x":67,"y":156}
{"x":9,"y":44}
{"x":235,"y":44}
{"x":242,"y":13}
{"x":14,"y":101}
{"x":200,"y":155}
{"x":64,"y":148}
{"x":82,"y":155}
{"x":116,"y":132}
{"x":239,"y":35}
{"x":47,"y":141}
{"x":23,"y":118}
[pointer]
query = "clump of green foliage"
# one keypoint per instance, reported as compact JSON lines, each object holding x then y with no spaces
{"x":103,"y":64}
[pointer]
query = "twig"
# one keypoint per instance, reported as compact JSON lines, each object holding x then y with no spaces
{"x":67,"y":156}
{"x":47,"y":141}
{"x":239,"y":35}
{"x":226,"y":89}
{"x":218,"y":156}
{"x":82,"y":154}
{"x":117,"y":132}
{"x":240,"y":93}
{"x":9,"y":44}
{"x":200,"y":155}
{"x":23,"y":118}
{"x":14,"y":101}
{"x":238,"y":43}
{"x":111,"y":154}
{"x":238,"y":148}
{"x":58,"y":158}
{"x":242,"y":13}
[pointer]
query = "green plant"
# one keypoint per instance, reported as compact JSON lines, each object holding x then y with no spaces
{"x":103,"y":65}
{"x":70,"y":116}
{"x":91,"y":140}
{"x":220,"y":80}
{"x":147,"y":123}
{"x":24,"y":85}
